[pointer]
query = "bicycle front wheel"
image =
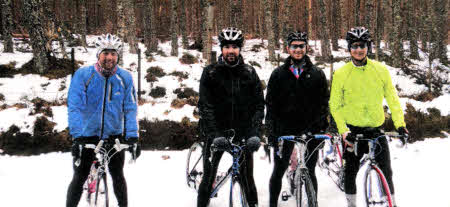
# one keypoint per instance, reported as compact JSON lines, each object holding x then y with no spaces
{"x":101,"y":192}
{"x":237,"y":195}
{"x":305,"y":194}
{"x":194,"y":165}
{"x":377,"y":191}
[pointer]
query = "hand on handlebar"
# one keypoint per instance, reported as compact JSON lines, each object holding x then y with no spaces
{"x":404,"y":134}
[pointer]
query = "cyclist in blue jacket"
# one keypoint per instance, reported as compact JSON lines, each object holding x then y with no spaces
{"x":101,"y":105}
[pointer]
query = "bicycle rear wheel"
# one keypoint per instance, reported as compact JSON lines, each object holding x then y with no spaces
{"x":237,"y":195}
{"x":377,"y":191}
{"x":305,"y":194}
{"x":194,"y":165}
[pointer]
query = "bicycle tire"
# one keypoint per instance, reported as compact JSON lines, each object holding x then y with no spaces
{"x":101,"y":192}
{"x":377,"y":191}
{"x":194,"y":165}
{"x":333,"y":167}
{"x":305,"y":194}
{"x":237,"y":195}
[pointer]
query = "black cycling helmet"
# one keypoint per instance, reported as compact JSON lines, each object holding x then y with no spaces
{"x":358,"y":34}
{"x":297,"y":36}
{"x":231,"y":35}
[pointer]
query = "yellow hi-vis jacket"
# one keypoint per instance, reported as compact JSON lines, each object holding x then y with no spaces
{"x":357,"y":95}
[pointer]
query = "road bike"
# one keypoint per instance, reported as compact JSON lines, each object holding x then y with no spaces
{"x":194,"y":167}
{"x":376,"y":189}
{"x":95,"y":189}
{"x":298,"y":176}
{"x":331,"y":162}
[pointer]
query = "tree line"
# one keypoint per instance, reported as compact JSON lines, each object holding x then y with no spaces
{"x":423,"y":24}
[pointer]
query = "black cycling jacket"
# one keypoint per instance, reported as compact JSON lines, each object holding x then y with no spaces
{"x":231,"y":97}
{"x":297,"y":105}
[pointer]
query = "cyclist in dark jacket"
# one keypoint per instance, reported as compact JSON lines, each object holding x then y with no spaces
{"x":101,"y":105}
{"x":231,"y":97}
{"x":297,"y":102}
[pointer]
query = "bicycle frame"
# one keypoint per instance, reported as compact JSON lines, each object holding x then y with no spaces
{"x":369,"y":158}
{"x":103,"y":155}
{"x":301,"y":142}
{"x":232,"y":172}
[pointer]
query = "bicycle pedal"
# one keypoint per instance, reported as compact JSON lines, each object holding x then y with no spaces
{"x":285,"y":196}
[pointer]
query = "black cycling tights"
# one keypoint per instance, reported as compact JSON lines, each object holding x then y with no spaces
{"x":210,"y":171}
{"x":281,"y":164}
{"x":82,"y":171}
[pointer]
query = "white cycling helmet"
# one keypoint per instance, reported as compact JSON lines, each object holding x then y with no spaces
{"x":108,"y":42}
{"x":231,"y":35}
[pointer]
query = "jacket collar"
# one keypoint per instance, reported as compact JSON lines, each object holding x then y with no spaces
{"x":308,"y":64}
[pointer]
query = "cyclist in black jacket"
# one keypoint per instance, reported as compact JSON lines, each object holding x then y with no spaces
{"x":231,"y":97}
{"x":297,"y":102}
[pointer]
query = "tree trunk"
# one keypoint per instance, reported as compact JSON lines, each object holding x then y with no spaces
{"x":441,"y":7}
{"x":270,"y":32}
{"x":7,"y":24}
{"x":183,"y":26}
{"x":276,"y":27}
{"x":412,"y":28}
{"x":310,"y":18}
{"x":287,"y":27}
{"x":82,"y":23}
{"x":130,"y":25}
{"x":357,"y":12}
{"x":336,"y":24}
{"x":379,"y":31}
{"x":397,"y":52}
{"x":236,"y":14}
{"x":209,"y":27}
{"x":324,"y":34}
{"x":204,"y":26}
{"x":153,"y":38}
{"x":33,"y":21}
{"x":173,"y":28}
{"x":121,"y":26}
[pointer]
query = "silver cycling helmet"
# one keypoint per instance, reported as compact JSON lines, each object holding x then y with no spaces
{"x":108,"y":42}
{"x":358,"y":34}
{"x":231,"y":35}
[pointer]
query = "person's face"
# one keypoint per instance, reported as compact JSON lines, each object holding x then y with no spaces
{"x":358,"y":50}
{"x":297,"y":49}
{"x":108,"y":59}
{"x":230,"y":53}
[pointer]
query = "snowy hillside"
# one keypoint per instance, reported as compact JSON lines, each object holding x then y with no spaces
{"x":23,"y":88}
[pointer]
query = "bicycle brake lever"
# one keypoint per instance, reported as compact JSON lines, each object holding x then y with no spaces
{"x":117,"y":145}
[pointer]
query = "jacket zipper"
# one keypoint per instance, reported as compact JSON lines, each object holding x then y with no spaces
{"x":103,"y":108}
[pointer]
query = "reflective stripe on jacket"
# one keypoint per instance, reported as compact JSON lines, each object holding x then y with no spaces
{"x":357,"y":95}
{"x":90,"y":93}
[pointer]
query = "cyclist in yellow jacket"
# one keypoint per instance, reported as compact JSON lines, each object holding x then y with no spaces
{"x":356,"y":104}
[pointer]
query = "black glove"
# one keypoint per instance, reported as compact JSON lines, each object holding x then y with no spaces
{"x":220,"y":144}
{"x":133,"y":141}
{"x":76,"y":150}
{"x":404,"y":134}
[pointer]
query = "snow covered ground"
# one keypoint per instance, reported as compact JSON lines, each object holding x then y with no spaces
{"x":420,"y":177}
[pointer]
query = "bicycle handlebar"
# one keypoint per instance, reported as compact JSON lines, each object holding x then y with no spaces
{"x":97,"y":148}
{"x":360,"y":137}
{"x":301,"y":138}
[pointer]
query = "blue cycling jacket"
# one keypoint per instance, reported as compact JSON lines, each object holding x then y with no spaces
{"x":96,"y":102}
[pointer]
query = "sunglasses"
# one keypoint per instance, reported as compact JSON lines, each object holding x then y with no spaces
{"x":355,"y":46}
{"x":293,"y":47}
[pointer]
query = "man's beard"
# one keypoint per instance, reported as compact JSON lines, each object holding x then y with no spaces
{"x":108,"y":65}
{"x":231,"y":58}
